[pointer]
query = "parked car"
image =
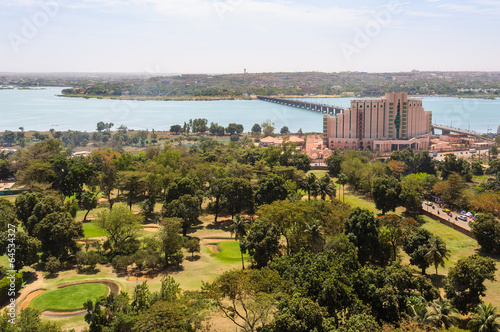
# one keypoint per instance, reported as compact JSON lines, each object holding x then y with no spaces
{"x":463,"y":218}
{"x":446,"y":210}
{"x":428,"y":203}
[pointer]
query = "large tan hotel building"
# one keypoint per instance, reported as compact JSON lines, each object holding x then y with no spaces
{"x":389,"y":123}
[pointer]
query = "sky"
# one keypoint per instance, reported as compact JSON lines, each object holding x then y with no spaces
{"x":228,"y":36}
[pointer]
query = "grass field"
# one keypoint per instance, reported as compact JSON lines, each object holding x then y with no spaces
{"x":229,"y":252}
{"x":91,"y":230}
{"x":68,"y":298}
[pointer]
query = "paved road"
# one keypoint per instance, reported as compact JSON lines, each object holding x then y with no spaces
{"x":463,"y":224}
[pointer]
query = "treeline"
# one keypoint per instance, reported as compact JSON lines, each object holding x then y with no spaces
{"x":240,"y":86}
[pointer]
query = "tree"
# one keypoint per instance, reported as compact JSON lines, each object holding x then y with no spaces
{"x":334,"y":163}
{"x":301,"y":161}
{"x":443,"y":315}
{"x":361,"y":228}
{"x":27,"y":248}
{"x":385,"y":193}
{"x":187,"y":208}
{"x":121,"y":225}
{"x":37,"y":171}
{"x":172,"y":241}
{"x":28,"y":319}
{"x":465,"y":282}
{"x":52,"y":265}
{"x":245,"y":297}
{"x":8,"y":137}
{"x":58,"y":232}
{"x":485,"y":319}
{"x":271,"y":188}
{"x":108,"y":178}
{"x":486,"y":230}
{"x":133,"y":182}
{"x":488,"y":203}
{"x":237,"y":195}
{"x":262,"y":243}
{"x":268,"y":128}
{"x":452,"y":164}
{"x":176,"y":129}
{"x":437,"y":253}
{"x":342,"y":180}
{"x":164,"y":316}
{"x":89,"y":201}
{"x":239,"y":229}
{"x":284,"y":130}
{"x":494,"y":151}
{"x":310,"y":184}
{"x":72,"y":174}
{"x":397,"y":230}
{"x":416,"y":245}
{"x":256,"y":129}
{"x":192,"y":246}
{"x":234,"y":128}
{"x":452,"y":190}
{"x":325,"y":187}
{"x":297,"y":314}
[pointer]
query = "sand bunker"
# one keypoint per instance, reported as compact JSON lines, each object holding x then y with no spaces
{"x":213,"y":248}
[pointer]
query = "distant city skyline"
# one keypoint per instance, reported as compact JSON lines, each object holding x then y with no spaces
{"x":228,"y":36}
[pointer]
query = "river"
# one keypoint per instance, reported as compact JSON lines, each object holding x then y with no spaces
{"x":41,"y":109}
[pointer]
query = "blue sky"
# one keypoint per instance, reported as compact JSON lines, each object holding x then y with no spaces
{"x":226,"y":36}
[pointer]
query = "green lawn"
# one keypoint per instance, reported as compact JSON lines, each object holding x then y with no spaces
{"x":68,"y":298}
{"x":91,"y":230}
{"x":229,"y":252}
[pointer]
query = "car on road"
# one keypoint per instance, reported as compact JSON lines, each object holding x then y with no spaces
{"x":463,"y":218}
{"x":446,"y":210}
{"x":428,"y":203}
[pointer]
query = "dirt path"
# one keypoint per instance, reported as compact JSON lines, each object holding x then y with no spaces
{"x":24,"y":292}
{"x":26,"y":302}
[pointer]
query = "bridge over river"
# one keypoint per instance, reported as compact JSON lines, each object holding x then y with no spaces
{"x":446,"y":130}
{"x":322,"y":108}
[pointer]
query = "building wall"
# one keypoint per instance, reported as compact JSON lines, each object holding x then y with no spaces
{"x":392,"y":117}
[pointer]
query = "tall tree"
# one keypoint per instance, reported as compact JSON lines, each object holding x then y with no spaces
{"x":464,"y":285}
{"x":262,"y":242}
{"x":239,"y":229}
{"x":342,"y":180}
{"x":245,"y":297}
{"x":416,"y":245}
{"x":437,"y":253}
{"x":310,"y":184}
{"x":361,"y":228}
{"x":325,"y":187}
{"x":121,"y":225}
{"x":485,"y":319}
{"x":385,"y":193}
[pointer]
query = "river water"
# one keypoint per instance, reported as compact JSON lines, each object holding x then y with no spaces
{"x":42,"y":109}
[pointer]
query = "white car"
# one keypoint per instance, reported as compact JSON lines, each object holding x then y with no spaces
{"x":463,"y":218}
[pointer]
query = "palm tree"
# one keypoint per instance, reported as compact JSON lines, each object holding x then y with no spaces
{"x":443,"y":315}
{"x":342,"y":180}
{"x":417,"y":308}
{"x":325,"y":187}
{"x":315,"y":232}
{"x":437,"y":253}
{"x":485,"y":319}
{"x":310,"y":184}
{"x":239,"y":229}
